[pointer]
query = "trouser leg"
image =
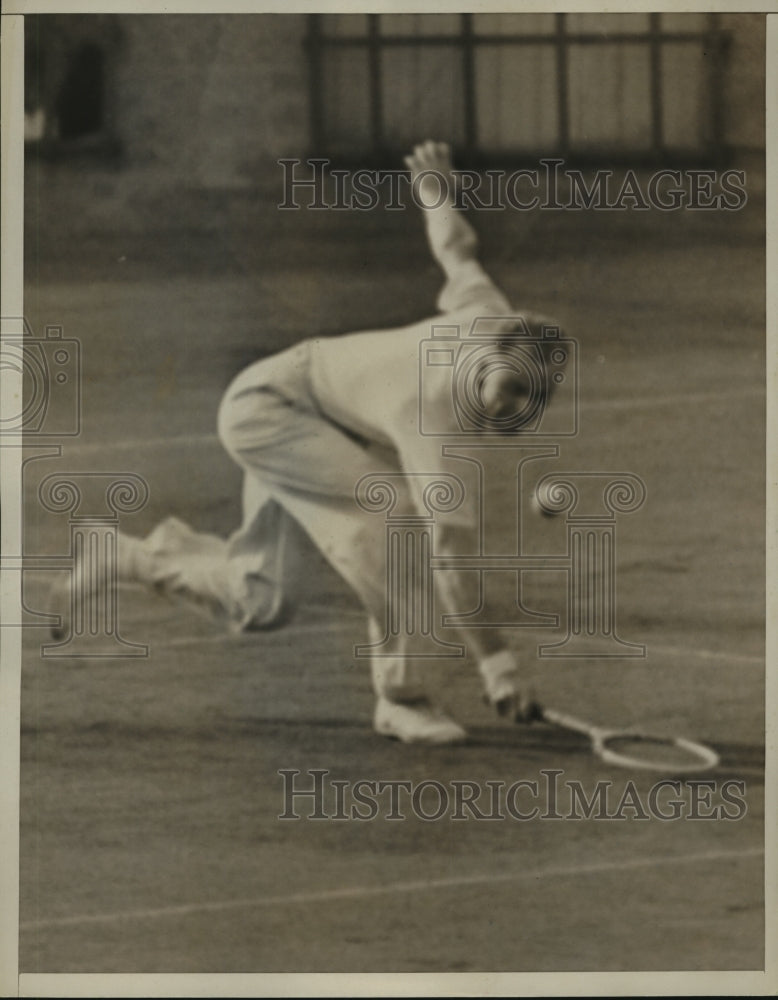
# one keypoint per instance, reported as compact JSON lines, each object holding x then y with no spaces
{"x":255,"y":556}
{"x":399,"y":677}
{"x":181,"y":563}
{"x":309,"y":467}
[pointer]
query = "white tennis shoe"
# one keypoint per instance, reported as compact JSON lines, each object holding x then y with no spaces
{"x":416,"y":722}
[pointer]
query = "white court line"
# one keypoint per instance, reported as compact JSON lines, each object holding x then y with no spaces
{"x":221,"y":637}
{"x":392,"y":888}
{"x":650,"y":402}
{"x":632,"y":403}
{"x":707,"y":654}
{"x":143,"y":444}
{"x":352,"y":619}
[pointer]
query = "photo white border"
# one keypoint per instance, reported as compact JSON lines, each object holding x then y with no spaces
{"x":11,"y":304}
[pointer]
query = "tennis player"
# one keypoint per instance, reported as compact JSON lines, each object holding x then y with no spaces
{"x":306,"y":425}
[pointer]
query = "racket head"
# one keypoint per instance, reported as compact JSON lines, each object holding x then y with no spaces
{"x":636,"y":750}
{"x":649,"y":752}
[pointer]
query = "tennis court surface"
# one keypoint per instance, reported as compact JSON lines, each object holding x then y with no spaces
{"x":151,"y":792}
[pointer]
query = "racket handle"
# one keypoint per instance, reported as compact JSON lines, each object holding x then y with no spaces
{"x":565,"y":721}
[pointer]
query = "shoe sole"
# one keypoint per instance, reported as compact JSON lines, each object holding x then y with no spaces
{"x":422,"y":741}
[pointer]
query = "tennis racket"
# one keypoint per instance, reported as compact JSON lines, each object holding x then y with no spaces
{"x":631,"y":749}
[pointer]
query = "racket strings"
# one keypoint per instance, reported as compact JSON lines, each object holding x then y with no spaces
{"x":656,"y":752}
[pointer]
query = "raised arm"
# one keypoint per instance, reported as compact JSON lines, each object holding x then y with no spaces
{"x":451,"y":238}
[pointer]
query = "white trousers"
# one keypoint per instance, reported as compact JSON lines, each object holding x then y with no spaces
{"x":298,"y":464}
